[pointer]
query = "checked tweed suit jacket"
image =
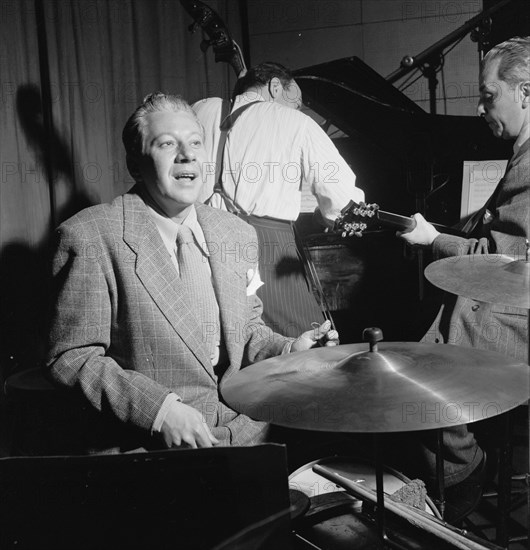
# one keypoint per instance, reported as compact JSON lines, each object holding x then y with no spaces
{"x":125,"y":334}
{"x":466,"y":322}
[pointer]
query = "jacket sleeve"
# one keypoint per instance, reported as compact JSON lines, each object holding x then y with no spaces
{"x":507,"y":230}
{"x":80,"y":333}
{"x":261,"y":342}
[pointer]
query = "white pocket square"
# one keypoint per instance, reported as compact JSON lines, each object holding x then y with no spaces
{"x":253,"y":281}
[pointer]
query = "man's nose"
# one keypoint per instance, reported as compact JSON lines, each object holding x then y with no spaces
{"x":185,"y":154}
{"x":481,"y":110}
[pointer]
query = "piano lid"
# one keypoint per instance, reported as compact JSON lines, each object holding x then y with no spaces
{"x":420,"y":151}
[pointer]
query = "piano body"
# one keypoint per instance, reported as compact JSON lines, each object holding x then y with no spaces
{"x":407,"y":161}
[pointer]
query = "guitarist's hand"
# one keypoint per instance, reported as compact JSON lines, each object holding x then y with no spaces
{"x":423,"y":234}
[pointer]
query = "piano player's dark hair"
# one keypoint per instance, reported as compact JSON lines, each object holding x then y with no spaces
{"x":514,"y":55}
{"x":261,"y":74}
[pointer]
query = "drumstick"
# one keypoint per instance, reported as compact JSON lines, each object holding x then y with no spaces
{"x":457,"y":537}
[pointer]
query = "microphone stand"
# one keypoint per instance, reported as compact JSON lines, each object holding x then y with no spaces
{"x":430,"y":59}
{"x":429,"y":62}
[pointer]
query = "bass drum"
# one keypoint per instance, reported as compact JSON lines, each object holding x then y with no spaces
{"x":335,"y":520}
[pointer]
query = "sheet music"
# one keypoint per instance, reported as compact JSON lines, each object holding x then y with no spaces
{"x":480,"y":177}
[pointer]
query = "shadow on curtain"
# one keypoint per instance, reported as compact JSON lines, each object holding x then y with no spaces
{"x":103,"y":57}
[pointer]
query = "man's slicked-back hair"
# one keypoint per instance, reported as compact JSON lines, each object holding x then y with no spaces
{"x":132,"y":135}
{"x":259,"y":75}
{"x":514,"y":56}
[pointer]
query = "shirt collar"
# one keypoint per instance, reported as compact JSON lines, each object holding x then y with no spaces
{"x":524,"y":134}
{"x":169,"y":229}
{"x":245,"y":98}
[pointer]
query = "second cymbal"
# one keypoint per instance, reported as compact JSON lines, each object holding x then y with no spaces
{"x":491,"y":278}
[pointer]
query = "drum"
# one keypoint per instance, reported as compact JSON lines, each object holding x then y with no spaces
{"x":314,"y":485}
{"x":335,"y":520}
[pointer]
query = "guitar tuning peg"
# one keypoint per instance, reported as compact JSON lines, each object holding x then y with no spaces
{"x":193,"y":27}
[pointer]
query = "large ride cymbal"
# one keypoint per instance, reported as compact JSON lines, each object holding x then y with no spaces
{"x":491,"y":278}
{"x":399,"y":387}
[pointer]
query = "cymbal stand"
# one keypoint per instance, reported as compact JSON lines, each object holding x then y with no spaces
{"x":440,"y":472}
{"x":380,"y":508}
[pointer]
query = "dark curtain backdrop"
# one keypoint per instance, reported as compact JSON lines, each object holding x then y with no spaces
{"x":103,"y":56}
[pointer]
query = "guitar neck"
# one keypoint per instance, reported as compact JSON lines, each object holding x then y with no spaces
{"x":403,"y":222}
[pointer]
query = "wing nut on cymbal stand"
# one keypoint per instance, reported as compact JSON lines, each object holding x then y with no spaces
{"x":372,"y":335}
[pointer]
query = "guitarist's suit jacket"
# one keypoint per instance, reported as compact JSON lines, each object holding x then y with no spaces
{"x":467,"y":322}
{"x":125,"y":334}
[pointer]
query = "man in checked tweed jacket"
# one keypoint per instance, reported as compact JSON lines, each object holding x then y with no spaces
{"x":126,"y":330}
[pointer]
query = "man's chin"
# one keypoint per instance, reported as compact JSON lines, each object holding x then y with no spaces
{"x":497,"y":132}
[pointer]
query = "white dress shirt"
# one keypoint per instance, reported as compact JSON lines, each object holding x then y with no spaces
{"x":168,"y":230}
{"x":271,"y":152}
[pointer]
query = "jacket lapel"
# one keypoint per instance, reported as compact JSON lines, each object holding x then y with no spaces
{"x":157,"y":274}
{"x":229,"y":279}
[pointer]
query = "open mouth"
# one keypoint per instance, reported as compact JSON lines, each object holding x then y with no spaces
{"x":185,"y":176}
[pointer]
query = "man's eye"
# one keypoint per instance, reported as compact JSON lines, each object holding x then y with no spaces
{"x":166,"y":144}
{"x":196,"y":143}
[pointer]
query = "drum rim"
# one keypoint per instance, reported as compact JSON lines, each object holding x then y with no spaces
{"x":387,"y":469}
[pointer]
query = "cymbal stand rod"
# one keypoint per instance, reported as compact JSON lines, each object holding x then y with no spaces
{"x":380,"y":496}
{"x":504,"y":482}
{"x":440,"y":473}
{"x":380,"y":508}
{"x":528,"y":419}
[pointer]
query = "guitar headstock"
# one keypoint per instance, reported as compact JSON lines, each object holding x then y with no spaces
{"x":355,"y":218}
{"x":225,"y":48}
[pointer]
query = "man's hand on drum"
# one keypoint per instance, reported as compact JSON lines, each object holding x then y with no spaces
{"x":322,"y":335}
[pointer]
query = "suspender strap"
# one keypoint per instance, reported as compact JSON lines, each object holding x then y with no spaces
{"x":225,"y":111}
{"x":228,"y":119}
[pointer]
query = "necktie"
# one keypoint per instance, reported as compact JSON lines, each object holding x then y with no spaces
{"x":197,"y":281}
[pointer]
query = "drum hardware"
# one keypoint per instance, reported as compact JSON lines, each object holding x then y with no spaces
{"x":356,"y":470}
{"x":410,"y":387}
{"x":500,"y":280}
{"x":457,"y":537}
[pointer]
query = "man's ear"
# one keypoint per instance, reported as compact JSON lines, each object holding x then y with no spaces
{"x":275,"y":88}
{"x":525,"y":88}
{"x":134,"y":168}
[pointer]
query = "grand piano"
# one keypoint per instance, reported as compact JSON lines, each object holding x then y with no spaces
{"x":407,"y":161}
